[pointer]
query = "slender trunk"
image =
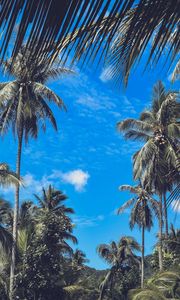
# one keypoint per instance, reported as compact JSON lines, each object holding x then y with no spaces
{"x":160,"y":233}
{"x":142,"y":259}
{"x":15,"y":218}
{"x":165,"y":216}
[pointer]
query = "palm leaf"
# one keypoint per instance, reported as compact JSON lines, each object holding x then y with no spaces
{"x":57,"y":20}
{"x":129,"y":188}
{"x":126,"y":205}
{"x":73,"y":289}
{"x":7,"y":176}
{"x":132,"y":123}
{"x":6,"y":239}
{"x":42,"y":90}
{"x":176,"y":72}
{"x":146,"y":294}
{"x":137,"y":135}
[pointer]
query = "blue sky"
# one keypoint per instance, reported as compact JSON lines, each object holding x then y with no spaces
{"x":88,"y":159}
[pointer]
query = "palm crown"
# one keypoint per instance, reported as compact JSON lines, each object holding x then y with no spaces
{"x":23,"y":101}
{"x":53,"y":200}
{"x":143,"y":206}
{"x":160,"y":129}
{"x":117,"y":254}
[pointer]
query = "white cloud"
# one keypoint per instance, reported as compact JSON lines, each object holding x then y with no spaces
{"x":34,"y":185}
{"x":89,"y":102}
{"x":78,"y":178}
{"x":31,"y":185}
{"x":88,"y":221}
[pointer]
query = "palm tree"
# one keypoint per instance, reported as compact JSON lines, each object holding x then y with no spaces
{"x":120,"y":256}
{"x":53,"y":200}
{"x":142,"y":214}
{"x":24,"y":106}
{"x":51,"y":208}
{"x":73,"y":267}
{"x":159,"y":129}
{"x":79,"y":259}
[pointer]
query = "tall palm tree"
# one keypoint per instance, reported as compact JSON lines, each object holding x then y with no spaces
{"x":24,"y":106}
{"x":159,"y":128}
{"x":143,"y":208}
{"x":119,"y":256}
{"x":53,"y":200}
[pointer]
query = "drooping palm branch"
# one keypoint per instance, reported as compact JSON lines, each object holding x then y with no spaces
{"x":7,"y":176}
{"x":99,"y":22}
{"x":174,"y":198}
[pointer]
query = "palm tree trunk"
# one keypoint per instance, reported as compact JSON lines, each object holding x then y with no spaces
{"x":160,"y":233}
{"x":165,"y":216}
{"x":142,"y":260}
{"x":15,"y":218}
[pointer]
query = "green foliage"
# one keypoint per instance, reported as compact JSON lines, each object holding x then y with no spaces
{"x":42,"y":272}
{"x":121,"y":257}
{"x":7,"y":176}
{"x":161,"y":286}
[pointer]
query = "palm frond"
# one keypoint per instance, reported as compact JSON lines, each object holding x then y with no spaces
{"x":40,"y":201}
{"x":22,"y":240}
{"x":58,"y":72}
{"x":146,"y":116}
{"x":126,"y":205}
{"x":43,"y":90}
{"x":47,"y":111}
{"x":176,"y":72}
{"x":137,"y":135}
{"x":174,"y":198}
{"x":129,"y":188}
{"x":158,"y":96}
{"x":133,"y":123}
{"x":57,"y":20}
{"x":6,"y":239}
{"x":146,"y":294}
{"x":143,"y":156}
{"x":72,"y":289}
{"x":69,"y":236}
{"x":104,"y":251}
{"x":7,"y":176}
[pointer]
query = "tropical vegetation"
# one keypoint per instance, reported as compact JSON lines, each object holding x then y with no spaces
{"x":38,"y":255}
